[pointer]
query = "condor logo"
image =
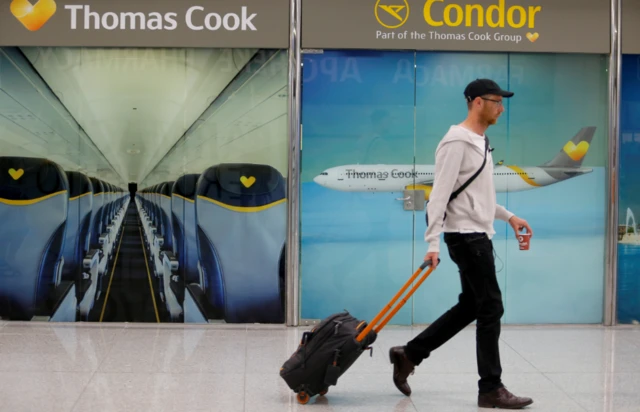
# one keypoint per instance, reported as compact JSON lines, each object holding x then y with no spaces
{"x":392,"y":13}
{"x":33,"y":16}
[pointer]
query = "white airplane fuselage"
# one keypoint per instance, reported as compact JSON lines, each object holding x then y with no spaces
{"x":395,"y":178}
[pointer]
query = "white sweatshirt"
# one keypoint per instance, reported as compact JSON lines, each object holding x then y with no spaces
{"x":458,"y":157}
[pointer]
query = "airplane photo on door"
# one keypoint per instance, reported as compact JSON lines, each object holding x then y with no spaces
{"x":395,"y":178}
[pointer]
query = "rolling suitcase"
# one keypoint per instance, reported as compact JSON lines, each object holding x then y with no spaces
{"x":328,"y":350}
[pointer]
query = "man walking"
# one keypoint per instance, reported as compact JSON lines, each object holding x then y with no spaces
{"x":463,"y":206}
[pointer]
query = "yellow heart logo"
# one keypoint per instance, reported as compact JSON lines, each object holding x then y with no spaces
{"x":533,"y":36}
{"x":576,"y":152}
{"x":33,"y":17}
{"x":16,"y":174}
{"x":248,"y":181}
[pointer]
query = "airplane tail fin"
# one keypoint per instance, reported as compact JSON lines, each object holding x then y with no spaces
{"x":575,"y":150}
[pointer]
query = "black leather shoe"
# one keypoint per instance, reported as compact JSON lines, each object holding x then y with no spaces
{"x":501,"y":398}
{"x":402,"y":368}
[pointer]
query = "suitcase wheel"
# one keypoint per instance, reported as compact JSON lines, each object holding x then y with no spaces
{"x":324,"y":392}
{"x":303,"y":397}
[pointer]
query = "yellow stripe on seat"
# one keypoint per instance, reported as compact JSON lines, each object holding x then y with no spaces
{"x":31,"y":201}
{"x":78,"y":197}
{"x":183,"y":198}
{"x":243,"y":209}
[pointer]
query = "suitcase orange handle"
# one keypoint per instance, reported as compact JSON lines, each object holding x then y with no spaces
{"x":379,"y":316}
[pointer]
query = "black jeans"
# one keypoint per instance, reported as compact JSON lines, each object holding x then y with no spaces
{"x":480,"y":300}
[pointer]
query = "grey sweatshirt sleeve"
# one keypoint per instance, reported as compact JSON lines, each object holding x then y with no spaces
{"x":503,"y":214}
{"x":448,"y":161}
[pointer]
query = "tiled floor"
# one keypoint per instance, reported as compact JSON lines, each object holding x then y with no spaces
{"x":115,"y":367}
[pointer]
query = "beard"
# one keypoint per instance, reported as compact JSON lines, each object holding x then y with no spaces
{"x":489,"y":118}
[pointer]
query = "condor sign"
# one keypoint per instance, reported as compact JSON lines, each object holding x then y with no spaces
{"x":568,"y":26}
{"x":140,"y":23}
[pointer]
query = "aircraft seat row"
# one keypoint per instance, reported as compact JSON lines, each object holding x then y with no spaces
{"x":57,"y":238}
{"x":217,"y":239}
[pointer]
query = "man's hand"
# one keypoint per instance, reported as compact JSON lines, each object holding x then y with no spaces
{"x":433,"y":257}
{"x":519,"y":224}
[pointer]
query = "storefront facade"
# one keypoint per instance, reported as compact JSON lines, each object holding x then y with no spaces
{"x":283,"y":153}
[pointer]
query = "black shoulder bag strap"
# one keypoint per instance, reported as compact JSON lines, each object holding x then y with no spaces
{"x":467,"y":183}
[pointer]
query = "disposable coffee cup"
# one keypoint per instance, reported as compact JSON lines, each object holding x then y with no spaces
{"x":524,"y":239}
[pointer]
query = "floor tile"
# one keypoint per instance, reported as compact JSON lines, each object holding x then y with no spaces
{"x":576,"y":350}
{"x":601,"y":392}
{"x":41,"y":391}
{"x":227,"y":368}
{"x":178,"y":351}
{"x":43,"y":347}
{"x":155,"y":392}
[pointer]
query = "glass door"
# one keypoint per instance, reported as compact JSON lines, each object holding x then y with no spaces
{"x":440,"y":82}
{"x":357,"y":216}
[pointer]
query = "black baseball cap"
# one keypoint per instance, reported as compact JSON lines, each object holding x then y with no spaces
{"x":480,"y":87}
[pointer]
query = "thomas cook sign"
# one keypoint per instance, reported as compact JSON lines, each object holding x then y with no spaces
{"x":145,"y":23}
{"x":569,"y":26}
